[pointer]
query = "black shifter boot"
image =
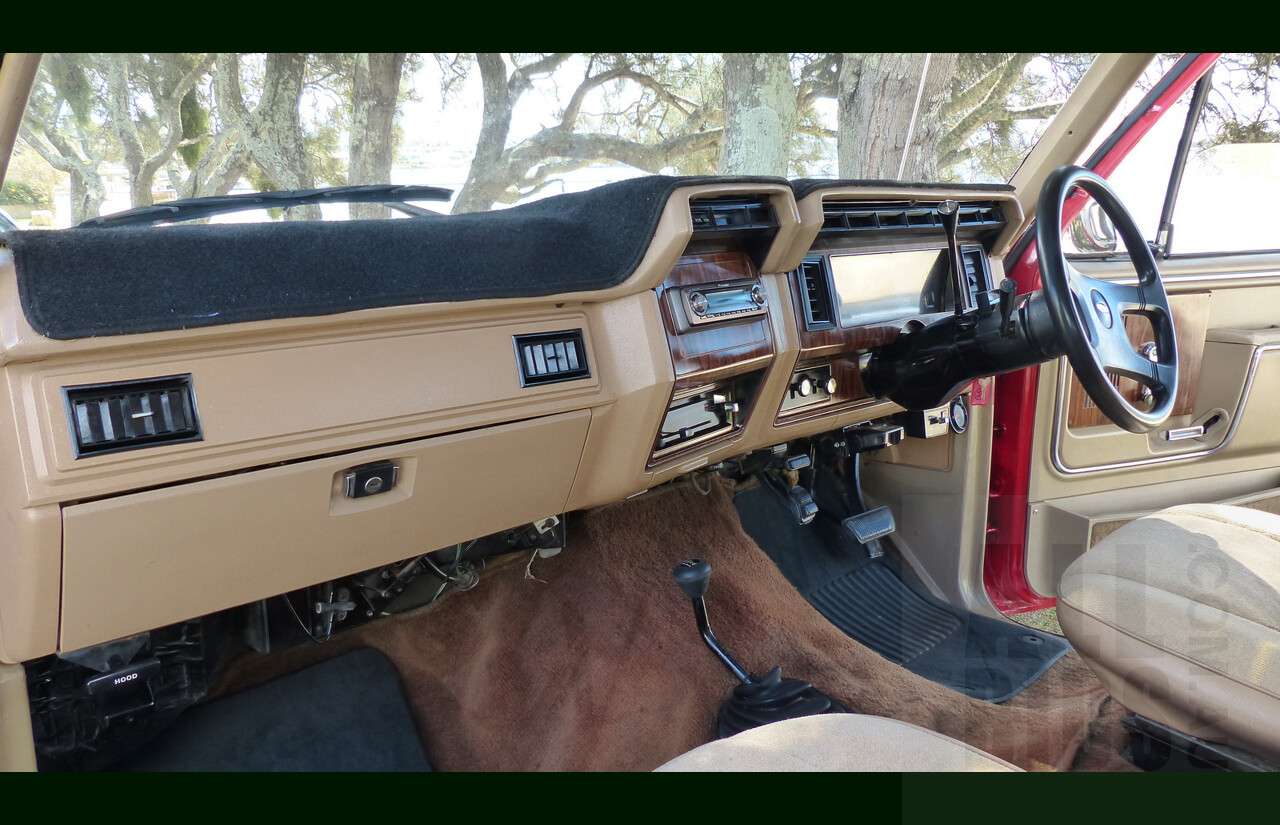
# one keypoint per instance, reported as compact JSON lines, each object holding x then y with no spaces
{"x":772,"y":699}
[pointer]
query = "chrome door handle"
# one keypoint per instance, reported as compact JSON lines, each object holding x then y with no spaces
{"x":1182,"y":433}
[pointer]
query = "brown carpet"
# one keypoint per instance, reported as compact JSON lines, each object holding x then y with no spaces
{"x":597,"y":665}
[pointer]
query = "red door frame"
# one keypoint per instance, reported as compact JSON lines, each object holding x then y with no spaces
{"x":1004,"y":563}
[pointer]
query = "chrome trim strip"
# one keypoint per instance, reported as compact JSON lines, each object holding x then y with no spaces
{"x":1056,"y":452}
{"x":1195,"y":278}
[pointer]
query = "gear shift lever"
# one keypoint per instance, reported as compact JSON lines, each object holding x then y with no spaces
{"x":694,"y":577}
{"x":757,"y":701}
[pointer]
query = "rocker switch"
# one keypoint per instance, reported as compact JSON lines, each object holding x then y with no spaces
{"x":370,"y":479}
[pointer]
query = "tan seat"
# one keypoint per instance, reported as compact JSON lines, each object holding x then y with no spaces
{"x":1179,"y":615}
{"x":838,"y":742}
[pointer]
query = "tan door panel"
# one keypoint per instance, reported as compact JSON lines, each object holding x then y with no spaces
{"x":1086,"y":475}
{"x":146,"y":560}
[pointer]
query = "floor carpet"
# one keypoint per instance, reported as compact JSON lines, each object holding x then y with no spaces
{"x":590,"y":660}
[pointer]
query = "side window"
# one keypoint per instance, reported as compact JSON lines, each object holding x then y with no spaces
{"x":1231,"y":173}
{"x":1227,"y":199}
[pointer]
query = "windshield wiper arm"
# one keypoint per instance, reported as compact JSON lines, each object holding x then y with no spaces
{"x":388,"y":194}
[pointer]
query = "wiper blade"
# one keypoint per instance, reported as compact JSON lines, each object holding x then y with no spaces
{"x":388,"y":194}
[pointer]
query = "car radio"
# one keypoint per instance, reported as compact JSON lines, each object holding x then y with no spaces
{"x":694,"y":306}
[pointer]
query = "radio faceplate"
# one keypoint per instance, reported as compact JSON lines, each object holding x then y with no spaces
{"x":702,"y":304}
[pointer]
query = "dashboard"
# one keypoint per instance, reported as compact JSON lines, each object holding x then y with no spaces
{"x":218,"y":452}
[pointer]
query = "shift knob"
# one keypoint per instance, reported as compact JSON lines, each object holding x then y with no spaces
{"x":693,"y":576}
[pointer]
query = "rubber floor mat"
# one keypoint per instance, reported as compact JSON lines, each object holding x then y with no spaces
{"x":345,"y":714}
{"x":877,"y":603}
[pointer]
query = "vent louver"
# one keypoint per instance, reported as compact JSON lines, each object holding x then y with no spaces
{"x":852,"y":216}
{"x":815,"y":292}
{"x":551,"y":356}
{"x":731,"y":213}
{"x":975,"y":269}
{"x":132,"y":414}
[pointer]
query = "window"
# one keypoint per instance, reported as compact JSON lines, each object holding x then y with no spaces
{"x":1232,"y":167}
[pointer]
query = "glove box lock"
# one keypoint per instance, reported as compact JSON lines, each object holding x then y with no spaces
{"x":370,"y":479}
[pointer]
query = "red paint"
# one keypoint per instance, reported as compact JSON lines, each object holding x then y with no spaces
{"x":1004,"y":565}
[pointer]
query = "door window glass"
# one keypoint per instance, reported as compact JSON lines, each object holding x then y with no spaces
{"x":1232,"y":169}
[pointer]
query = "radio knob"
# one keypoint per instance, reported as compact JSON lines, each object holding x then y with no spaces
{"x":698,"y":303}
{"x":757,"y":295}
{"x":803,"y":387}
{"x":830,"y":386}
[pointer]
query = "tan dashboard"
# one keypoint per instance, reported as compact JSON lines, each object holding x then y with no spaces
{"x":490,"y":413}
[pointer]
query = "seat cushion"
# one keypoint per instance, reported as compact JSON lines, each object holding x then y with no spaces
{"x":1179,"y":615}
{"x":838,"y":742}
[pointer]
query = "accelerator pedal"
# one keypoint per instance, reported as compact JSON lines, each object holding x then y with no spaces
{"x":869,"y":526}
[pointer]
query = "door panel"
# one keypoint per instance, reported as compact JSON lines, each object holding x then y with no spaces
{"x":1090,"y":477}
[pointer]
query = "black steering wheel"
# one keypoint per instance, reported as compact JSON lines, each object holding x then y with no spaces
{"x":1088,"y":313}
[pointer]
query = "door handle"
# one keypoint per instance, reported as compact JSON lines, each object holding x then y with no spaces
{"x":1194,"y":431}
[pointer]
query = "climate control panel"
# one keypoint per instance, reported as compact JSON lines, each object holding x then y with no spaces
{"x":809,"y":387}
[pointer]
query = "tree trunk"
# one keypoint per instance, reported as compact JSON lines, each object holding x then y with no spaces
{"x":276,"y":135}
{"x":478,"y":193}
{"x":87,"y":195}
{"x":760,"y":114}
{"x":374,"y":91}
{"x":877,"y":101}
{"x":118,"y":92}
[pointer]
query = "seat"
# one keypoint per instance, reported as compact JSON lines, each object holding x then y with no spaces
{"x":837,"y":742}
{"x":1178,"y":613}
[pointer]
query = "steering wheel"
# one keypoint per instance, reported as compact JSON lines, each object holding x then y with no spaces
{"x":1088,"y":313}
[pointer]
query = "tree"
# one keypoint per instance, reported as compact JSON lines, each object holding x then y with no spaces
{"x":150,"y":139}
{"x":672,"y":130}
{"x":265,"y":141}
{"x":1248,"y":109}
{"x":890,"y":112}
{"x":760,"y":114}
{"x":375,"y":89}
{"x":62,"y":126}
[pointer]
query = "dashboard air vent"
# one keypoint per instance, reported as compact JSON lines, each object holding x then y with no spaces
{"x":863,"y":216}
{"x":715,"y":214}
{"x":815,"y":292}
{"x":551,"y":356}
{"x":975,"y":269}
{"x":132,"y":414}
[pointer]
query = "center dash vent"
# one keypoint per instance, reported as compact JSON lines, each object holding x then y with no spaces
{"x":815,"y":294}
{"x":712,"y":214}
{"x":840,"y":217}
{"x":551,"y":356}
{"x":132,"y":414}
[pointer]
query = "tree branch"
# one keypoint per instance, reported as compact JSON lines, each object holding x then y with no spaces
{"x":987,"y":107}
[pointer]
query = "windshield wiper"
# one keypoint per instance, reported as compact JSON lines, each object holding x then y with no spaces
{"x":388,"y":194}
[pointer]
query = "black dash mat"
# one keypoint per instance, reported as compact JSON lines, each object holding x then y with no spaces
{"x":884,"y":607}
{"x":344,"y":714}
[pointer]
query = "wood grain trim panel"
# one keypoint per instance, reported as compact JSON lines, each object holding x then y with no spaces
{"x":1190,"y":322}
{"x":721,"y":350}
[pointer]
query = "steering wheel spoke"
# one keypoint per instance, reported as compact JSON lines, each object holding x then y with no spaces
{"x":1122,"y":360}
{"x":1088,"y":313}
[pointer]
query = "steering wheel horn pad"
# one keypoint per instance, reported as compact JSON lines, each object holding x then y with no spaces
{"x":1088,"y":313}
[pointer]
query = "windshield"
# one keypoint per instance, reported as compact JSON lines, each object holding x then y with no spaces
{"x":108,"y":132}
